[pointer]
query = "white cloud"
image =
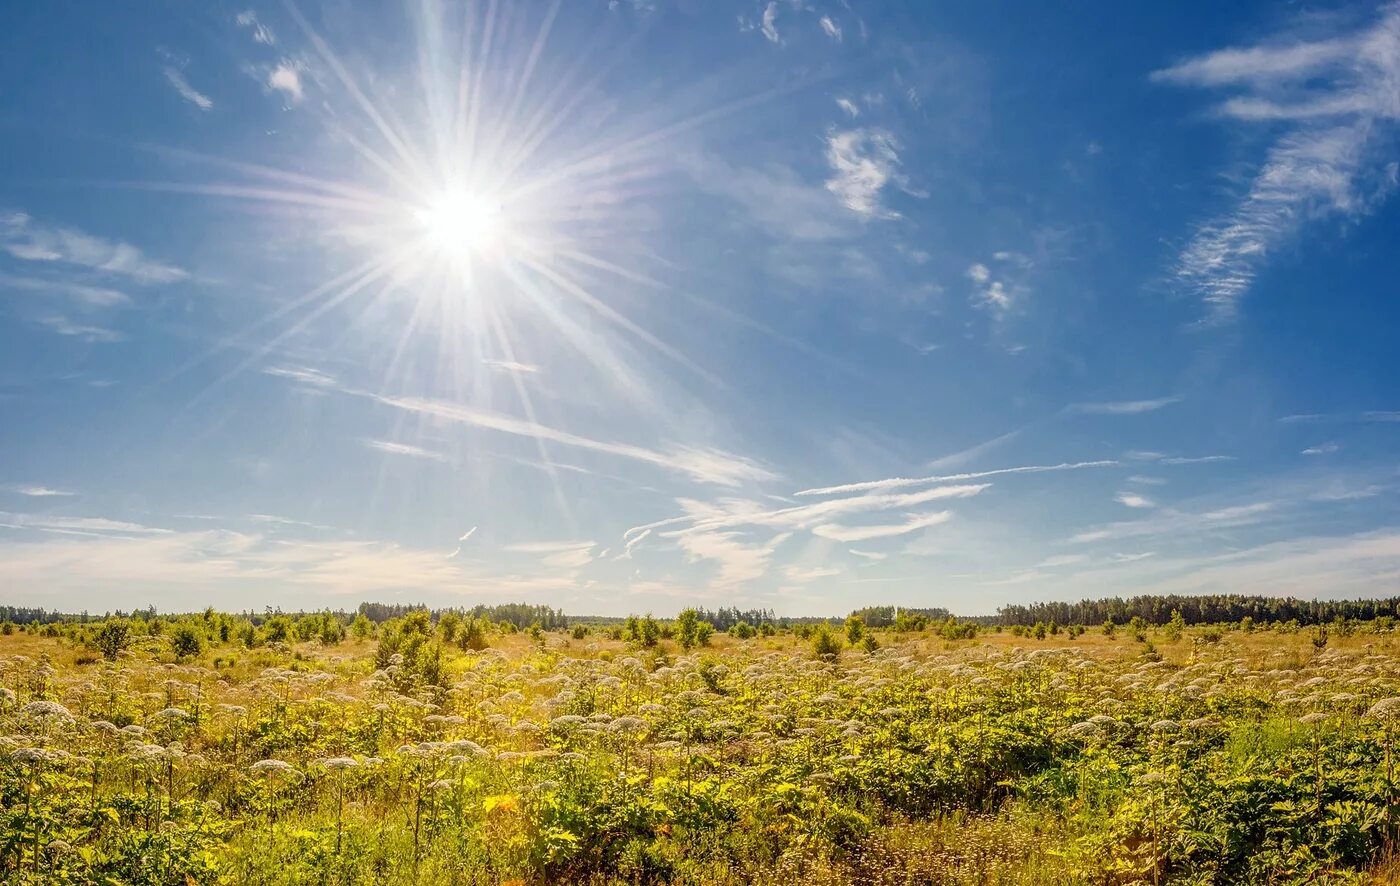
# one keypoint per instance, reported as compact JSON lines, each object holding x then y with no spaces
{"x":1375,"y":415}
{"x":557,"y":554}
{"x":1124,"y":407}
{"x":1134,"y":500}
{"x":838,"y":532}
{"x":1323,"y":449}
{"x":85,"y":331}
{"x":1146,"y":481}
{"x":770,"y":22}
{"x":850,"y":107}
{"x":830,"y":28}
{"x":775,"y":199}
{"x":187,"y":92}
{"x":261,"y":32}
{"x":84,"y":295}
{"x":991,"y":294}
{"x":304,"y":376}
{"x":35,"y":491}
{"x":1332,"y":102}
{"x":28,"y":240}
{"x":700,"y":464}
{"x":512,"y":366}
{"x":286,"y":79}
{"x":394,"y":448}
{"x":862,"y":162}
{"x":738,"y":561}
{"x":76,"y":525}
{"x":869,"y":555}
{"x":1061,"y":560}
{"x":898,"y":482}
{"x":461,"y":542}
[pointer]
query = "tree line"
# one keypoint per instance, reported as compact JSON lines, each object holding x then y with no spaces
{"x":1158,"y":609}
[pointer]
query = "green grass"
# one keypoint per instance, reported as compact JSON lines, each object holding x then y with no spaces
{"x":1254,"y":759}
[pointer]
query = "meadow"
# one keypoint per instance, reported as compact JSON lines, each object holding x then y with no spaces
{"x":315,"y":749}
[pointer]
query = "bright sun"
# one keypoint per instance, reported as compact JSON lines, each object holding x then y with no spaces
{"x":461,"y":224}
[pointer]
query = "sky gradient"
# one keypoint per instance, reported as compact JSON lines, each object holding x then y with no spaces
{"x":626,"y":306}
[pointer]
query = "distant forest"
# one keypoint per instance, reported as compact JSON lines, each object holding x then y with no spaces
{"x":1153,"y":609}
{"x":1205,"y":609}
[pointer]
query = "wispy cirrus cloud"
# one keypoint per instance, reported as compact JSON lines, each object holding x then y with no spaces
{"x":87,"y":332}
{"x":1380,"y":416}
{"x":36,"y":491}
{"x":1134,"y":500}
{"x":261,"y":33}
{"x":769,"y":25}
{"x":1122,"y":407}
{"x":176,"y":78}
{"x":29,"y":240}
{"x":703,"y":465}
{"x":1333,"y":102}
{"x":899,"y":482}
{"x":863,"y":162}
{"x":912,"y":523}
{"x":80,"y":294}
{"x":394,"y":448}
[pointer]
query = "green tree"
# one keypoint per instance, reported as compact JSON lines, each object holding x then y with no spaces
{"x":687,"y":625}
{"x":111,"y":637}
{"x":855,"y":629}
{"x":361,"y":627}
{"x":825,"y":642}
{"x":448,"y":625}
{"x":186,"y":640}
{"x":1175,"y":627}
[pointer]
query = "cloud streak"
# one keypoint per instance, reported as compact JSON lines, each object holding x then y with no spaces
{"x":1334,"y":104}
{"x":26,"y":239}
{"x":702,"y":465}
{"x":186,"y":91}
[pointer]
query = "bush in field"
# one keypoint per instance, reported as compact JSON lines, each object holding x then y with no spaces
{"x":361,"y":628}
{"x":825,"y":642}
{"x":187,"y":640}
{"x":472,"y":635}
{"x":112,"y":637}
{"x":855,"y":629}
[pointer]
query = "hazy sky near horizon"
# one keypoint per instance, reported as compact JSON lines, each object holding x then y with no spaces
{"x":623,"y":306}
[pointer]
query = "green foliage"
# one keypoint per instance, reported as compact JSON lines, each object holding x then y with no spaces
{"x":361,"y":628}
{"x":1239,"y":760}
{"x":1174,"y":628}
{"x":825,"y":642}
{"x":448,"y":625}
{"x":855,"y":629}
{"x":112,"y":637}
{"x":187,"y":639}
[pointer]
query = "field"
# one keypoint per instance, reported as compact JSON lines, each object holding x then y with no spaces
{"x":1209,"y":755}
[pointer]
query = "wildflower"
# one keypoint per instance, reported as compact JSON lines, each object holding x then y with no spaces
{"x":271,"y":767}
{"x":47,"y":710}
{"x":31,"y":755}
{"x":1386,"y":709}
{"x":338,"y":763}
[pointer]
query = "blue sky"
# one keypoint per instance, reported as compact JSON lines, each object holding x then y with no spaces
{"x":624,"y":306}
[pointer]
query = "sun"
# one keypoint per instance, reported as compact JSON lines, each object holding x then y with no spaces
{"x":461,"y":224}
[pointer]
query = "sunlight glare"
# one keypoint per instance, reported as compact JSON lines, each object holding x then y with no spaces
{"x":459,"y":223}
